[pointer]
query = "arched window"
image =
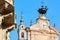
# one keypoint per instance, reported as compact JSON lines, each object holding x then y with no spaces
{"x":22,"y":26}
{"x":22,"y":35}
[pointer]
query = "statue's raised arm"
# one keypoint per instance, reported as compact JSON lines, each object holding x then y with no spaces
{"x":8,"y":14}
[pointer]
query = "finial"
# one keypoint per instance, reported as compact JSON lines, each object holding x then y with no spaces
{"x":30,"y":22}
{"x":21,"y":15}
{"x":42,"y":3}
{"x":54,"y":25}
{"x":21,"y":20}
{"x":43,"y":9}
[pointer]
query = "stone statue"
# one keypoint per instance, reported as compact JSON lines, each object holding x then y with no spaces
{"x":4,"y":32}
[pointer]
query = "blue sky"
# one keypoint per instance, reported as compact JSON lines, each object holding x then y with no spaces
{"x":29,"y":9}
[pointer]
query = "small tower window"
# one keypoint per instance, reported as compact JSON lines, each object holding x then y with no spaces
{"x":22,"y":26}
{"x":22,"y":35}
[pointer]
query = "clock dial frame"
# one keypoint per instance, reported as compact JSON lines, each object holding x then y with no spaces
{"x":44,"y":24}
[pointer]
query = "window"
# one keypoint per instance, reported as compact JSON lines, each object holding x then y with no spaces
{"x":22,"y":35}
{"x":22,"y":26}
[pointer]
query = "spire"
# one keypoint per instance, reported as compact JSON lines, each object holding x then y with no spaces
{"x":30,"y":22}
{"x":42,"y":3}
{"x":43,"y":8}
{"x":54,"y":25}
{"x":21,"y":19}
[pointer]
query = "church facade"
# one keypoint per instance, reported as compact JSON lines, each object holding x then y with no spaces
{"x":42,"y":30}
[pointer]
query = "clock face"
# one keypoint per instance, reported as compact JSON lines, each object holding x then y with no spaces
{"x":43,"y":24}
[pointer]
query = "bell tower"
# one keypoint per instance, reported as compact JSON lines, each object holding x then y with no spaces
{"x":21,"y":30}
